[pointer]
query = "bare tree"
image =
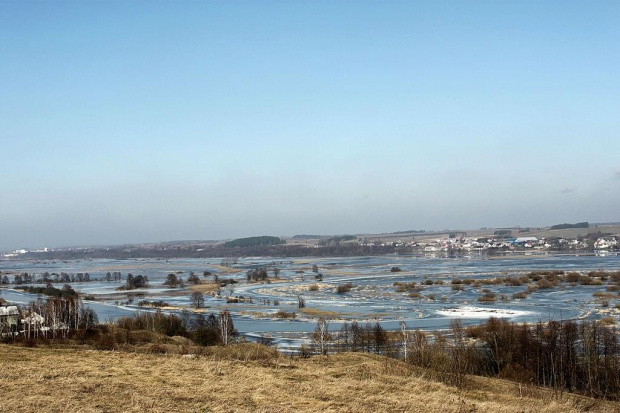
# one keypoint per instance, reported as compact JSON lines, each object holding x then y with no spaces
{"x":193,"y":278}
{"x":171,"y":280}
{"x":197,"y":299}
{"x":404,"y":335}
{"x":380,"y":338}
{"x":343,"y":337}
{"x":321,"y":336}
{"x":226,"y":329}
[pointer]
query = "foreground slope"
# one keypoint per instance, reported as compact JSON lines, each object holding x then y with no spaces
{"x":244,"y":379}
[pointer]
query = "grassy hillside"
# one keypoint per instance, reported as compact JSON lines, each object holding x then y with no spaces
{"x":250,"y":378}
{"x":574,"y":232}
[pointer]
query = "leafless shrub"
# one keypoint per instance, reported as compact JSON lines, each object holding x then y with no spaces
{"x":488,"y":298}
{"x":284,"y":314}
{"x":513,"y":282}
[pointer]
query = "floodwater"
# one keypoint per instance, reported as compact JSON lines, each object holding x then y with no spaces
{"x":372,"y":298}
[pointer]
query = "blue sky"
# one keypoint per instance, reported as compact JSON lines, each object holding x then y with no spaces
{"x":148,"y":121}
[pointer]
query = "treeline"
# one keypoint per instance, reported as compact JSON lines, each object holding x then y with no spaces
{"x":46,"y":278}
{"x":67,"y":318}
{"x":56,"y":317}
{"x":205,"y":331}
{"x":563,"y":355}
{"x":336,"y":240}
{"x":254,"y":242}
{"x":133,"y":282}
{"x":261,"y":274}
{"x":217,"y":251}
{"x":569,"y":226}
{"x":307,"y":236}
{"x":66,"y":292}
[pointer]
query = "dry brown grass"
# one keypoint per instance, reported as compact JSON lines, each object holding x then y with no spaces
{"x":248,"y":378}
{"x":204,"y":287}
{"x":572,"y":232}
{"x":223,"y":270}
{"x":317,"y":312}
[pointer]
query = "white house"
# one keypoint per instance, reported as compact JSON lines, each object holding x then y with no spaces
{"x":606,"y":243}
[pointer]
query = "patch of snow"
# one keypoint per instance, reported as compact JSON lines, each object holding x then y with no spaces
{"x":478,"y":312}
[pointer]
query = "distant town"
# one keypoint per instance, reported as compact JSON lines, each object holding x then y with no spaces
{"x":558,"y":238}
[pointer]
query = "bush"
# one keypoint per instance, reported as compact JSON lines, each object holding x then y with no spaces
{"x":607,"y":321}
{"x":205,"y":336}
{"x":395,"y":269}
{"x":402,"y":287}
{"x":552,"y":278}
{"x":585,"y":280}
{"x":513,"y":282}
{"x":544,"y":284}
{"x":344,"y":288}
{"x":285,"y":314}
{"x":304,"y":351}
{"x":488,"y":298}
{"x":573,"y":277}
{"x":491,"y":281}
{"x":313,"y":287}
{"x":157,"y":349}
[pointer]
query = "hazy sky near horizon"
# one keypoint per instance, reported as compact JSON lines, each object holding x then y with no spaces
{"x":151,"y":121}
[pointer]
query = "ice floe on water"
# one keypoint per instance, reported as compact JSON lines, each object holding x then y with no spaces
{"x":479,"y":312}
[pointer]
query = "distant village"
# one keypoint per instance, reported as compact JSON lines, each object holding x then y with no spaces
{"x":17,"y":253}
{"x":454,"y":243}
{"x":501,"y":240}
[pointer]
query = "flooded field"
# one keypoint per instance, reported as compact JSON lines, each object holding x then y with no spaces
{"x":425,"y":292}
